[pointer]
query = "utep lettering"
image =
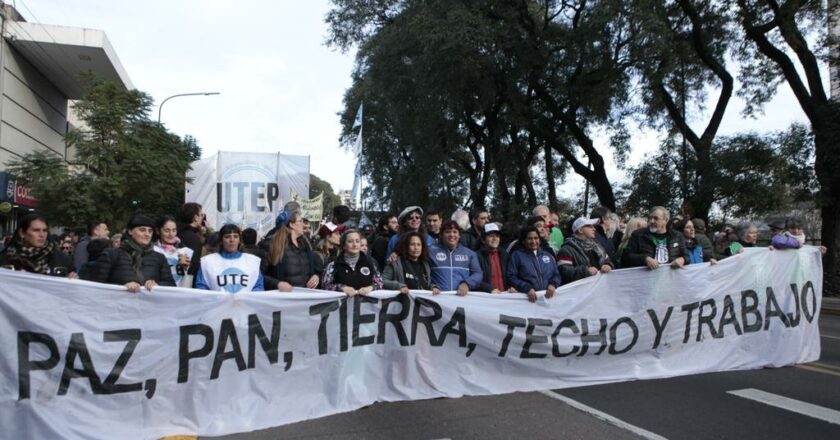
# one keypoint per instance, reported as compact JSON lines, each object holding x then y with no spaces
{"x":231,"y":196}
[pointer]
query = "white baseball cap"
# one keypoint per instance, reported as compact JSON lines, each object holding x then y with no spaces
{"x":582,"y":221}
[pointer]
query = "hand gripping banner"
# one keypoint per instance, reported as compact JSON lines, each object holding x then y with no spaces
{"x":86,"y":360}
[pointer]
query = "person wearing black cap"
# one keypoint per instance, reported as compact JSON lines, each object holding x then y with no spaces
{"x":493,"y":261}
{"x":135,"y":263}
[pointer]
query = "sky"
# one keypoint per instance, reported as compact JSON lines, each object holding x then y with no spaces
{"x":281,"y":88}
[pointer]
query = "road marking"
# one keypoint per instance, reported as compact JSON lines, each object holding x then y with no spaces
{"x":603,"y":416}
{"x":830,"y":337}
{"x":793,"y":405}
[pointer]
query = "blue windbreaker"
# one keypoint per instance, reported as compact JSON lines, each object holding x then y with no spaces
{"x":451,"y":268}
{"x":526,"y":271}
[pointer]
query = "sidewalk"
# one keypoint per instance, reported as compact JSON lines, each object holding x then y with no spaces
{"x":831,"y":305}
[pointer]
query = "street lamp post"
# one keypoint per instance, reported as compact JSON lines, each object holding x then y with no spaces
{"x":160,"y":108}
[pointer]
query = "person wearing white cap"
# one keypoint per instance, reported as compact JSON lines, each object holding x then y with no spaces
{"x":493,"y":260}
{"x":581,"y":255}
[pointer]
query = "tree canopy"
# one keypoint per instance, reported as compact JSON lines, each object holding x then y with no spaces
{"x":489,"y":103}
{"x":124,"y":162}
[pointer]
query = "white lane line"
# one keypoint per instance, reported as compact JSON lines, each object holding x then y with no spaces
{"x":603,"y":416}
{"x":793,"y":405}
{"x":830,"y":337}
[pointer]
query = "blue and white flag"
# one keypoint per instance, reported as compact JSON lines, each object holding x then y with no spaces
{"x":358,"y":121}
{"x":357,"y":181}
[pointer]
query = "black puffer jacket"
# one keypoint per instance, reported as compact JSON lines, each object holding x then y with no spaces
{"x":640,"y":246}
{"x":296,"y":267}
{"x":114,"y":267}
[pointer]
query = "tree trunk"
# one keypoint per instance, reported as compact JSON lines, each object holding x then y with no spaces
{"x":549,"y":177}
{"x":827,"y":149}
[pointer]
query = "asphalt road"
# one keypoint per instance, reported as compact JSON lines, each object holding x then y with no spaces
{"x":689,"y":407}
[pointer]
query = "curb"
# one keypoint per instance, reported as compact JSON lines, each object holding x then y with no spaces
{"x":831,"y":306}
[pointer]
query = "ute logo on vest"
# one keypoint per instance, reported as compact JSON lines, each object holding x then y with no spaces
{"x":365,"y":271}
{"x":546,"y":259}
{"x":232,"y":280}
{"x":440,"y":256}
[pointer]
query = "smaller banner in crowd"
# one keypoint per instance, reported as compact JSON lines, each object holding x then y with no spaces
{"x":246,"y":189}
{"x":87,"y":360}
{"x":312,"y":209}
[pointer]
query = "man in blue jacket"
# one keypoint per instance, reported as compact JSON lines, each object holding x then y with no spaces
{"x":454,"y":267}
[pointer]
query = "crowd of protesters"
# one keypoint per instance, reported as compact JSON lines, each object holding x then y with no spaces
{"x":414,"y":249}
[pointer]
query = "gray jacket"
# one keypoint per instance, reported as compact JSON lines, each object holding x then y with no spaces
{"x":393,"y":277}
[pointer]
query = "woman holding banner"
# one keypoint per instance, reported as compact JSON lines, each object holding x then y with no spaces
{"x":135,"y":264}
{"x":230,"y":270}
{"x":352,"y":272}
{"x":531,"y":268}
{"x":31,"y":251}
{"x":292,"y":262}
{"x":410,"y":271}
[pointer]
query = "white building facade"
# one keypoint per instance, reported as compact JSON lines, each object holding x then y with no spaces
{"x":40,"y":69}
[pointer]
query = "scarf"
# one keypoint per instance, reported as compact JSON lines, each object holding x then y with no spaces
{"x":589,"y":247}
{"x":30,"y":258}
{"x":135,"y":251}
{"x":169,"y":248}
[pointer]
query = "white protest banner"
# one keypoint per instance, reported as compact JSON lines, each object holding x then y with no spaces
{"x":312,"y":209}
{"x":93,"y":361}
{"x":246,"y":189}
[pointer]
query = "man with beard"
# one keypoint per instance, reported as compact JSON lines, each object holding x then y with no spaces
{"x":655,"y":245}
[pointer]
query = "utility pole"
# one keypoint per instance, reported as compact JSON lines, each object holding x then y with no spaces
{"x":834,"y":47}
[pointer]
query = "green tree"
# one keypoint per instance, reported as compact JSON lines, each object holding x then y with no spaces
{"x":481,"y":100}
{"x":318,"y":186}
{"x":680,"y":51}
{"x":124,"y":162}
{"x":755,"y":174}
{"x":788,"y":42}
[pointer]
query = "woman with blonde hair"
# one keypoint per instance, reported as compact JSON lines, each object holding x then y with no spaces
{"x":631,"y":225}
{"x":291,"y":261}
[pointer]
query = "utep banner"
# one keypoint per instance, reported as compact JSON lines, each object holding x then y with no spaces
{"x":93,"y":361}
{"x":246,"y":189}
